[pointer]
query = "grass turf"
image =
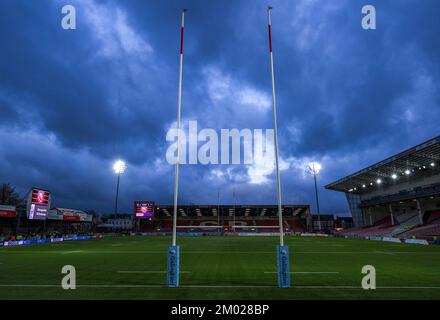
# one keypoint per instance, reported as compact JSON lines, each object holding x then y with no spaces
{"x":220,"y":268}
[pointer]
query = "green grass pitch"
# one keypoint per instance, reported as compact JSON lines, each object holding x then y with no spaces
{"x":220,"y":268}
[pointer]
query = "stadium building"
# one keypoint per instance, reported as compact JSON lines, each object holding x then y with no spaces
{"x":59,"y":220}
{"x":228,"y":218}
{"x":398,"y":196}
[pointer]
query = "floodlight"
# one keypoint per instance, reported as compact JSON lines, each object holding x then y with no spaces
{"x":378,"y":181}
{"x":314,"y":167}
{"x":432,"y":164}
{"x":407,"y":172}
{"x":119,"y":167}
{"x":394,"y":176}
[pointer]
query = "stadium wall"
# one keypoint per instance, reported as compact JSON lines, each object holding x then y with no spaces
{"x":354,"y":201}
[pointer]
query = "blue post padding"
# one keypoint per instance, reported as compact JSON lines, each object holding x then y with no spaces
{"x":283,"y":267}
{"x":173,"y":267}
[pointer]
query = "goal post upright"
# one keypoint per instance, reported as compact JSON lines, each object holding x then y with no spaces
{"x":173,"y":263}
{"x":282,"y":250}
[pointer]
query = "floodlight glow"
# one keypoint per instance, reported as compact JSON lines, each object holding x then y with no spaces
{"x":314,"y":167}
{"x":407,"y":172}
{"x":394,"y":176}
{"x":364,"y":186}
{"x":432,"y":164}
{"x":378,"y":181}
{"x":119,"y":167}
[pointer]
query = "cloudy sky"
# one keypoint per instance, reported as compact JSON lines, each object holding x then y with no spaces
{"x":74,"y":101}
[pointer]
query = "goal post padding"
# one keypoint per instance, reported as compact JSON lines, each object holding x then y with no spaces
{"x":173,"y":266}
{"x":283,"y":267}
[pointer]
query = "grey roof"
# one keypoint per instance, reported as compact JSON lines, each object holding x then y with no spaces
{"x":417,"y":160}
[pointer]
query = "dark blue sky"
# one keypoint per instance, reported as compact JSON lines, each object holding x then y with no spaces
{"x":73,"y":101}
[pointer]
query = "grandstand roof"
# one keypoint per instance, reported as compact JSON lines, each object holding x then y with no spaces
{"x":417,"y":162}
{"x":231,"y":210}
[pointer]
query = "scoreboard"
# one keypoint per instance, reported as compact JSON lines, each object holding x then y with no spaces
{"x":38,"y":204}
{"x":143,"y":209}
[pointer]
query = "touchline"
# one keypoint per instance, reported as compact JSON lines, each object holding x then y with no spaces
{"x":202,"y":147}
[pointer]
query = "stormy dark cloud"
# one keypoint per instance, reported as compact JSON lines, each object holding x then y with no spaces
{"x":73,"y":101}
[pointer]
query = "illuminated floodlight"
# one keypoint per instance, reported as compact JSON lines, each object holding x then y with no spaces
{"x":432,"y":164}
{"x":378,"y":181}
{"x":119,"y":167}
{"x":314,"y":167}
{"x":407,"y":172}
{"x":364,"y":186}
{"x":394,"y":176}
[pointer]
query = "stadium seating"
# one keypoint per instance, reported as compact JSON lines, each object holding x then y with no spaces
{"x":266,"y":224}
{"x":431,"y":216}
{"x":165,"y":225}
{"x":407,"y":226}
{"x":381,"y":227}
{"x":243,"y":224}
{"x":426,"y":232}
{"x":296,"y":225}
{"x":406,"y":221}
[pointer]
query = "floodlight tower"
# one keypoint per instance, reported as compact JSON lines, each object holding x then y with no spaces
{"x":282,"y":250}
{"x":119,"y":168}
{"x":218,"y":209}
{"x":173,"y":265}
{"x":314,"y":168}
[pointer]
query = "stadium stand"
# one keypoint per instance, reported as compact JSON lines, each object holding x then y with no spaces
{"x":406,"y":226}
{"x":398,"y":196}
{"x":215,"y":219}
{"x":431,"y":217}
{"x":60,"y":221}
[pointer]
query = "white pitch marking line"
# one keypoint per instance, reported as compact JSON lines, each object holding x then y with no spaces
{"x":308,"y":272}
{"x":128,"y":286}
{"x":357,"y":287}
{"x":225,"y":286}
{"x":329,"y":287}
{"x":385,"y":252}
{"x":70,"y":252}
{"x":147,"y":271}
{"x":205,"y":286}
{"x":231,"y":252}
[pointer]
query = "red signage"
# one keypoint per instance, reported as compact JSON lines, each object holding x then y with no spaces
{"x":71,"y":218}
{"x":7,"y":211}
